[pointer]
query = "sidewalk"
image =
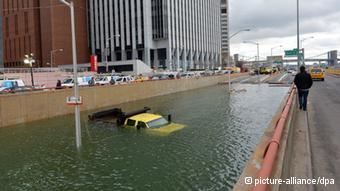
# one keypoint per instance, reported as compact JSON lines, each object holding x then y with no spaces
{"x":300,"y":161}
{"x":310,"y":156}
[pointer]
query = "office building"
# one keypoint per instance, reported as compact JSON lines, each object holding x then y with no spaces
{"x":40,"y":27}
{"x":225,"y":32}
{"x":1,"y":41}
{"x":169,"y":34}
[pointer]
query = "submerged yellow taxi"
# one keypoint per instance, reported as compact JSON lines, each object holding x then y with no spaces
{"x":317,"y":74}
{"x":153,"y":123}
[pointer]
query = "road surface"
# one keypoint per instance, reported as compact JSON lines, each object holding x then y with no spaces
{"x":324,"y":124}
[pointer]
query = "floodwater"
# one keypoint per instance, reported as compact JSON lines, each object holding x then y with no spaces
{"x":209,"y":154}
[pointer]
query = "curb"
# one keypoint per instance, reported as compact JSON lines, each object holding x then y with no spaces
{"x":309,"y":150}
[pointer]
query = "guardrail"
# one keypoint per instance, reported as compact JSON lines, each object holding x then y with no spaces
{"x":273,"y":146}
{"x":333,"y":71}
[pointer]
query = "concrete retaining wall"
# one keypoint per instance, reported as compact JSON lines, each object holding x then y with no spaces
{"x":32,"y":106}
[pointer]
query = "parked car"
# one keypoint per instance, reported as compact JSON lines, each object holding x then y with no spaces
{"x":188,"y":75}
{"x":82,"y":81}
{"x":161,"y":77}
{"x":103,"y":80}
{"x":124,"y":80}
{"x":141,"y":78}
{"x":16,"y":85}
{"x":114,"y":78}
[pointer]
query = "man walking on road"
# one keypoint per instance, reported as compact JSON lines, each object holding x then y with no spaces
{"x":303,"y":82}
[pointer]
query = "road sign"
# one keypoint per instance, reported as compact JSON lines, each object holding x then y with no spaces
{"x":291,"y":53}
{"x":74,"y":101}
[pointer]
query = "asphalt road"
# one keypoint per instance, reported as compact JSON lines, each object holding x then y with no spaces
{"x":324,"y":124}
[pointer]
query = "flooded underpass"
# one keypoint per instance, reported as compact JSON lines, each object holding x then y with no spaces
{"x":209,"y":154}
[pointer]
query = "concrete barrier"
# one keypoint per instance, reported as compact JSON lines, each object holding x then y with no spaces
{"x":32,"y":106}
{"x":333,"y":71}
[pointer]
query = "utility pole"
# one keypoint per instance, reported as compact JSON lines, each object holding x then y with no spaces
{"x":258,"y":56}
{"x":52,"y":52}
{"x":29,"y":59}
{"x":229,"y":56}
{"x":107,"y":49}
{"x":75,"y":74}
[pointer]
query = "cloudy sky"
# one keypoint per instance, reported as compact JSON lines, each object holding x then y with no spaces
{"x":273,"y":23}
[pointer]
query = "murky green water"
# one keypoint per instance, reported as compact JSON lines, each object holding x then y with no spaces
{"x":207,"y":155}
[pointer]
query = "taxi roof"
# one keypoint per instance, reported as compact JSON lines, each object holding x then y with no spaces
{"x":145,"y":117}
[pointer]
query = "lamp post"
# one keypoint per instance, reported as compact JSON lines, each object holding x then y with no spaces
{"x":298,"y":31}
{"x":52,"y":52}
{"x":229,"y":56}
{"x":107,"y":46}
{"x":29,"y":59}
{"x":258,"y":48}
{"x":232,"y":36}
{"x":75,"y":73}
{"x":303,"y":50}
{"x":258,"y":56}
{"x":304,"y":39}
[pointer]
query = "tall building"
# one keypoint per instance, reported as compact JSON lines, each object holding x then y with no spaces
{"x":171,"y":34}
{"x":40,"y":27}
{"x":1,"y":42}
{"x":21,"y":31}
{"x":225,"y":31}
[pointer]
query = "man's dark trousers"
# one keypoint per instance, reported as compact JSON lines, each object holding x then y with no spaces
{"x":303,"y":95}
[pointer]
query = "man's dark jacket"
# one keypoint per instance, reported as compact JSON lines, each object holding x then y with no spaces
{"x":303,"y":81}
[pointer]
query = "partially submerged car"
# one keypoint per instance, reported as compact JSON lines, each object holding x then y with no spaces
{"x":139,"y":119}
{"x":152,"y":122}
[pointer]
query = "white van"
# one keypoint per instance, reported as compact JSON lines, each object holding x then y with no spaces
{"x":103,"y":80}
{"x":9,"y":85}
{"x":82,"y":81}
{"x":124,"y":80}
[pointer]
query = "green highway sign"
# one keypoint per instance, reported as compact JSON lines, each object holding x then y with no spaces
{"x":291,"y":53}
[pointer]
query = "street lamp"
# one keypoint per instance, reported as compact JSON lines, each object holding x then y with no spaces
{"x":52,"y":52}
{"x":75,"y":73}
{"x":304,"y":39}
{"x":303,"y":50}
{"x":29,"y":59}
{"x":232,"y":36}
{"x":107,"y":46}
{"x":229,"y":57}
{"x":243,"y":30}
{"x":258,"y":48}
{"x":258,"y":56}
{"x":271,"y":51}
{"x":298,"y":31}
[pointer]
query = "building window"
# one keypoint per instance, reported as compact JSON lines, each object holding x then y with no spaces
{"x":7,"y":26}
{"x":224,"y":11}
{"x":26,"y":22}
{"x":16,"y":25}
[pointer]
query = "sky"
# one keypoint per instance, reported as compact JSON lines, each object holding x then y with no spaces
{"x":273,"y":23}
